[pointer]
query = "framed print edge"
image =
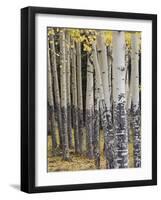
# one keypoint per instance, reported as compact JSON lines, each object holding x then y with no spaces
{"x":28,"y":99}
{"x":24,"y":101}
{"x":154,"y":99}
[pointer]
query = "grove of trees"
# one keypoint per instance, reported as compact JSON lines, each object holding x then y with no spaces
{"x":94,"y":87}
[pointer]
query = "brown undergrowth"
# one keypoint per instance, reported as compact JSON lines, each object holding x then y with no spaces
{"x":79,"y":162}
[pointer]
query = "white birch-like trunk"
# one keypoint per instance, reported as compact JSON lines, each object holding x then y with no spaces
{"x":128,"y":90}
{"x":129,"y":99}
{"x":106,"y":124}
{"x":126,"y":71}
{"x":80,"y":101}
{"x":68,"y":81}
{"x":89,"y":108}
{"x":103,"y":63}
{"x":74,"y":98}
{"x":119,"y":99}
{"x":109,"y":60}
{"x":51,"y":106}
{"x":96,"y":137}
{"x":55,"y":85}
{"x":135,"y":112}
{"x":63,"y":94}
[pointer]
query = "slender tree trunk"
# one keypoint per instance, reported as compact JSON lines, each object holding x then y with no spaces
{"x":129,"y":98}
{"x":55,"y":85}
{"x":51,"y":107}
{"x":119,"y":99}
{"x":96,"y":137}
{"x":74,"y":99}
{"x":89,"y":108}
{"x":49,"y":120}
{"x":103,"y":63}
{"x":80,"y":102}
{"x":102,"y":59}
{"x":128,"y":91}
{"x":109,"y":56}
{"x":64,"y":95}
{"x":126,"y":72}
{"x":69,"y":123}
{"x":136,"y":119}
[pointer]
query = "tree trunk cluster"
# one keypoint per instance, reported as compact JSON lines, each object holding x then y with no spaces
{"x":93,"y":92}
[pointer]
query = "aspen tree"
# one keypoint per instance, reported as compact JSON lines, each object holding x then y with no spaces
{"x":108,"y":136}
{"x":63,"y":95}
{"x":103,"y":63}
{"x":68,"y":83}
{"x":89,"y":107}
{"x":55,"y":82}
{"x":96,"y":138}
{"x":74,"y":98}
{"x":119,"y":99}
{"x":79,"y":89}
{"x":51,"y":106}
{"x":135,"y":112}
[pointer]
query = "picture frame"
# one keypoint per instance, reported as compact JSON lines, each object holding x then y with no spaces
{"x":29,"y":24}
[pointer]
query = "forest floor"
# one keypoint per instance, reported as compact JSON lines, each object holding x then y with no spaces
{"x":77,"y":162}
